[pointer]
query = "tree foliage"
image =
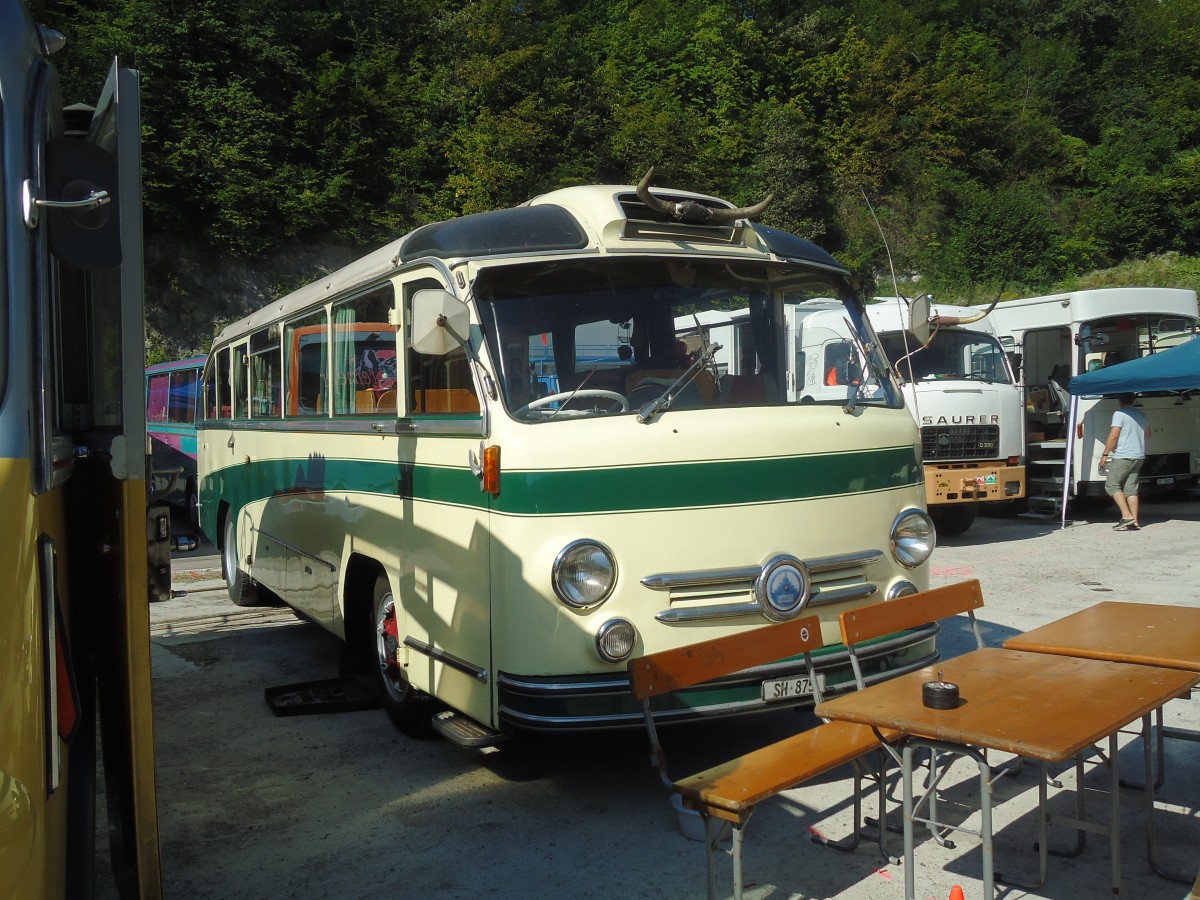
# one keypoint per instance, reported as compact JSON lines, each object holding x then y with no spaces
{"x":1008,"y":143}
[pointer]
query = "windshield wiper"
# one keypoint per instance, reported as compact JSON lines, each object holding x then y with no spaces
{"x":663,"y":400}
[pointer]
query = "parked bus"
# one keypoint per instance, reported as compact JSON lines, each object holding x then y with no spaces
{"x":970,"y":410}
{"x":1056,"y":337}
{"x":963,"y":396}
{"x":74,"y":619}
{"x":494,"y":555}
{"x":172,"y":397}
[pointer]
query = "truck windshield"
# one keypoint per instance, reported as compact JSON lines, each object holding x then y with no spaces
{"x":1118,"y":339}
{"x":573,"y":338}
{"x":952,"y":355}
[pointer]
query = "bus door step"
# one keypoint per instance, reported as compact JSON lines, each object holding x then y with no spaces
{"x":329,"y":695}
{"x":464,"y":731}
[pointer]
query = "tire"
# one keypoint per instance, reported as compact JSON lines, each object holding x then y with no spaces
{"x":242,"y":589}
{"x":193,"y":504}
{"x":955,"y":519}
{"x":410,"y":710}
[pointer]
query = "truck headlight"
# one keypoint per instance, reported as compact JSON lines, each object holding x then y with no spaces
{"x":584,"y":574}
{"x":912,"y":538}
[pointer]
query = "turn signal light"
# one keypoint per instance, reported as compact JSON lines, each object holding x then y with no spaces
{"x":491,"y":470}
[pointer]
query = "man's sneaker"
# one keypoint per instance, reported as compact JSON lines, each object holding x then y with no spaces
{"x":1125,"y":525}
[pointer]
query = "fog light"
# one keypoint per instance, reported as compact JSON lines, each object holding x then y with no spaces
{"x":902,"y":589}
{"x":615,"y":640}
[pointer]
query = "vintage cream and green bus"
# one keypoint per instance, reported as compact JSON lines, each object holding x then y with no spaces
{"x":494,"y":553}
{"x":75,"y":567}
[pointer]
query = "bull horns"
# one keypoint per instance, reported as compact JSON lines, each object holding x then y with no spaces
{"x":966,"y":320}
{"x":692,"y":213}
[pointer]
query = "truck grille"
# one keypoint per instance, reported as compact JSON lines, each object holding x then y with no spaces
{"x":960,"y":442}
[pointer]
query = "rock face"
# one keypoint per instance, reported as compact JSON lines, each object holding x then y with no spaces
{"x":192,"y":293}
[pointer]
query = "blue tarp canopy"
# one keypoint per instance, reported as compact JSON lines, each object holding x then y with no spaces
{"x":1175,"y":369}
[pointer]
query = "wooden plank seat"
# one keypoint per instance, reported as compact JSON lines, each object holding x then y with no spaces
{"x":730,"y":791}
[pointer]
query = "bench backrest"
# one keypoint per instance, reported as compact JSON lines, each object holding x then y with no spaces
{"x":881,"y":619}
{"x":670,"y":670}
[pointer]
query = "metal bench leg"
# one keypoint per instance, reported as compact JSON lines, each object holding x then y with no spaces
{"x":737,"y":863}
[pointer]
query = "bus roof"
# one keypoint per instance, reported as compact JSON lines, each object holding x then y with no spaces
{"x":593,"y":219}
{"x":192,"y":362}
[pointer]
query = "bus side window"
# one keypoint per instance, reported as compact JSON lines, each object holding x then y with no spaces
{"x":305,"y":343}
{"x":181,"y":401}
{"x":264,"y":373}
{"x":364,"y":355}
{"x":237,"y":379}
{"x":157,"y":393}
{"x":222,"y":399}
{"x":437,"y":385}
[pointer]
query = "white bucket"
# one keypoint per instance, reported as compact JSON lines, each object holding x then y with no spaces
{"x":692,"y":825}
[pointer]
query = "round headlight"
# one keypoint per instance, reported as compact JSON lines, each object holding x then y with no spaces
{"x":902,"y":588}
{"x":912,"y":538}
{"x":584,"y":574}
{"x":615,"y":640}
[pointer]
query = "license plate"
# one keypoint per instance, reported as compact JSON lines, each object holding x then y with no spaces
{"x":1164,"y":481}
{"x":790,"y":688}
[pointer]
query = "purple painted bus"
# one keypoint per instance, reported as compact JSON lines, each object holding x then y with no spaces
{"x":172,"y":392}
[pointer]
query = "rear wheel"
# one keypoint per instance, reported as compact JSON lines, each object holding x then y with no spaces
{"x":410,"y":710}
{"x":953,"y":519}
{"x":242,"y":589}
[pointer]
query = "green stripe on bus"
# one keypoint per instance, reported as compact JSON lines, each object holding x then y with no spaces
{"x":585,"y":491}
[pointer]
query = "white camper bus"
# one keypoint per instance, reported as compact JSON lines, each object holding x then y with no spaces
{"x":1056,"y":337}
{"x":962,"y":392}
{"x":379,"y":451}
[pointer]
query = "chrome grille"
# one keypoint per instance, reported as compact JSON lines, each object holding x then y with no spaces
{"x":727,"y":593}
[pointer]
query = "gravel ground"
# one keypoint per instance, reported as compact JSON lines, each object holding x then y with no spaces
{"x":253,"y":805}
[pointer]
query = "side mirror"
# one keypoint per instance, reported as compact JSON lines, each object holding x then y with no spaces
{"x":440,"y":322}
{"x":918,"y":319}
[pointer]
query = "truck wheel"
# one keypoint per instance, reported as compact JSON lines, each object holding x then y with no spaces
{"x":242,"y":589}
{"x":954,"y":519}
{"x":410,"y":710}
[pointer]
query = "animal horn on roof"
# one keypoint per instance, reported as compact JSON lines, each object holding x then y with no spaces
{"x":693,"y":213}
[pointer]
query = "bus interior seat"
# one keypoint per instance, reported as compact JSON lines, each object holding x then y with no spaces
{"x":749,"y":390}
{"x":364,"y":401}
{"x":386,"y":402}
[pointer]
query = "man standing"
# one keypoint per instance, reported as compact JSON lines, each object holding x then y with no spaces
{"x":1124,"y":453}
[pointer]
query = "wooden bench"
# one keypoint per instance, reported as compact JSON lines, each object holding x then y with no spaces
{"x":730,"y":791}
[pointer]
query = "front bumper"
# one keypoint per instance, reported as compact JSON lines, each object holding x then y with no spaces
{"x":604,"y":702}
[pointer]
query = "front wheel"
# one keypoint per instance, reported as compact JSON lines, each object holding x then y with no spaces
{"x":954,"y":518}
{"x":243,"y":591}
{"x":410,"y":710}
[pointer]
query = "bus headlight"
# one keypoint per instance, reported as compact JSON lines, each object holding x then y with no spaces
{"x":615,"y":640}
{"x":584,"y":574}
{"x":912,"y":538}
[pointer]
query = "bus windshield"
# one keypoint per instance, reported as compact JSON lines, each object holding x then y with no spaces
{"x":577,"y":338}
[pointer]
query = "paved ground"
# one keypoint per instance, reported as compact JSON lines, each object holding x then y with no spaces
{"x":252,"y":805}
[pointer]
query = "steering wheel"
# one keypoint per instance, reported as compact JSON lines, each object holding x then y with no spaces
{"x":563,"y":395}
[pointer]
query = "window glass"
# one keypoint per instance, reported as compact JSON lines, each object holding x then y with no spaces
{"x":220,"y":398}
{"x":181,"y":401}
{"x":364,"y":355}
{"x":265,"y":369}
{"x":157,"y":390}
{"x":305,"y":343}
{"x":438,"y":385}
{"x":237,"y":378}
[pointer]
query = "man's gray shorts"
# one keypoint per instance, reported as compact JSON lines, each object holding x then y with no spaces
{"x":1123,"y":476}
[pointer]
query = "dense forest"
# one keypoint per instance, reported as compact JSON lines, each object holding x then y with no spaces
{"x":1002,"y":145}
